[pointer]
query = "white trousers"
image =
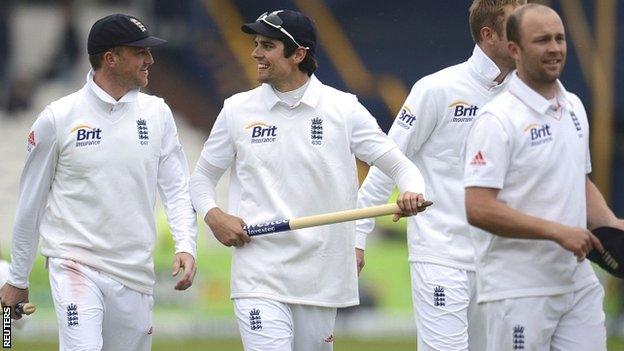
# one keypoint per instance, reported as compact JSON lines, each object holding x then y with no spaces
{"x":447,"y":315}
{"x":95,"y":312}
{"x":268,"y":325}
{"x":567,"y":322}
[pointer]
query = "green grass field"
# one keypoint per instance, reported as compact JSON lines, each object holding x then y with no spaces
{"x":235,"y":345}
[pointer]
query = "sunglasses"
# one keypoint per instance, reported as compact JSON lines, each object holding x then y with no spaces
{"x":273,"y":20}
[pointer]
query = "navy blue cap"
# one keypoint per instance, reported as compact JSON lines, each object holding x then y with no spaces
{"x":119,"y":29}
{"x":295,"y":23}
{"x":612,"y":259}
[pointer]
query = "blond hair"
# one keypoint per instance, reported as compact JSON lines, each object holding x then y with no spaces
{"x":488,"y":13}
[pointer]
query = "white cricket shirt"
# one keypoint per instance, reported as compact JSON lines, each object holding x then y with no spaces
{"x":538,"y":156}
{"x":430,"y":130}
{"x":294,"y":162}
{"x":89,"y":186}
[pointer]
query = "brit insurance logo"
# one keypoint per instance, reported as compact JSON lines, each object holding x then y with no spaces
{"x":405,"y":118}
{"x":87,"y":135}
{"x":463,"y":111}
{"x":262,"y":133}
{"x":538,"y":134}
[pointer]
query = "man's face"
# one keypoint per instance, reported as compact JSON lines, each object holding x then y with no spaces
{"x":500,"y":44}
{"x":131,"y":70}
{"x":273,"y":67}
{"x":542,"y":50}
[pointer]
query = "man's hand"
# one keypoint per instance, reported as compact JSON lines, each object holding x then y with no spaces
{"x":186,"y":262}
{"x":579,"y":241}
{"x":359,"y":259}
{"x":410,"y":203}
{"x":11,"y":296}
{"x":226,"y":228}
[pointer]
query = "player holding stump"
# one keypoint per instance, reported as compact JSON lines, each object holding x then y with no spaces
{"x":430,"y":129}
{"x":290,"y":144}
{"x":95,"y":160}
{"x":527,"y":191}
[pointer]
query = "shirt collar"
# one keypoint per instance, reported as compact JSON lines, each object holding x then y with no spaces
{"x":310,"y":96}
{"x":484,"y":68}
{"x":130,"y":96}
{"x":533,"y":99}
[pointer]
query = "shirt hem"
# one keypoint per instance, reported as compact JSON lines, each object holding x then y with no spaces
{"x":534,"y":292}
{"x":443,"y":262}
{"x":129,"y":284}
{"x":296,"y":301}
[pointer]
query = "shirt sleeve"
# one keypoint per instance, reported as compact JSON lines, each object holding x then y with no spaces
{"x":173,"y":185}
{"x":411,"y":128}
{"x":219,"y":149}
{"x":368,"y":141}
{"x":583,"y":112}
{"x":391,"y":168}
{"x":487,"y":153}
{"x":203,"y":184}
{"x":34,"y":188}
{"x":416,"y":120}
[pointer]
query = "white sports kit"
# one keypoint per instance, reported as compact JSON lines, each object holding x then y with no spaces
{"x":430,"y":130}
{"x":89,"y":190}
{"x":537,"y":153}
{"x":290,"y":161}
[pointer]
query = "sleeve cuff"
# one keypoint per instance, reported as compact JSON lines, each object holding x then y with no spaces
{"x":360,"y":240}
{"x":188,"y":248}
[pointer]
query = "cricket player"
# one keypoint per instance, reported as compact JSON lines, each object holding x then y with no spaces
{"x":95,"y":160}
{"x":290,"y":144}
{"x":430,"y":129}
{"x":528,"y":194}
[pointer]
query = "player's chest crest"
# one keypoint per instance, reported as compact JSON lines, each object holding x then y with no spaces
{"x":94,"y":136}
{"x":308,"y":130}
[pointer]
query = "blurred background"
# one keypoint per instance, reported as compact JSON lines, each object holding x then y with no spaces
{"x":375,"y":49}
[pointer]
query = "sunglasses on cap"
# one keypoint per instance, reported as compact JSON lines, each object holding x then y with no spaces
{"x":273,"y":20}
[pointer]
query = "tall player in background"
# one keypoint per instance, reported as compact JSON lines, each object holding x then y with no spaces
{"x":95,"y":160}
{"x":430,"y":130}
{"x":527,"y":191}
{"x":291,"y":145}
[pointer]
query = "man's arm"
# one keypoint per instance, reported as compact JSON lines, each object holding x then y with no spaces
{"x":412,"y":127}
{"x":226,"y":228}
{"x":217,"y":155}
{"x":483,"y":210}
{"x":35,"y":183}
{"x":173,"y":185}
{"x":598,"y":212}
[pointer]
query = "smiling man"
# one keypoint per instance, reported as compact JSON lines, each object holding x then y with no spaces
{"x":95,"y":161}
{"x":532,"y":204}
{"x":291,"y":144}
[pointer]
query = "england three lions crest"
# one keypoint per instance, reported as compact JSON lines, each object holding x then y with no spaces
{"x":316,"y":131}
{"x":143,"y":132}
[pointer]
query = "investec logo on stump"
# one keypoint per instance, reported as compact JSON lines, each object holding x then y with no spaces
{"x":539,"y":134}
{"x":87,"y":135}
{"x":262,"y":133}
{"x":463,"y":111}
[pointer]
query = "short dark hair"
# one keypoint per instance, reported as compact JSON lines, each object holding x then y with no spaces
{"x":514,"y":21}
{"x":96,"y":59}
{"x":488,"y":13}
{"x":308,"y":65}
